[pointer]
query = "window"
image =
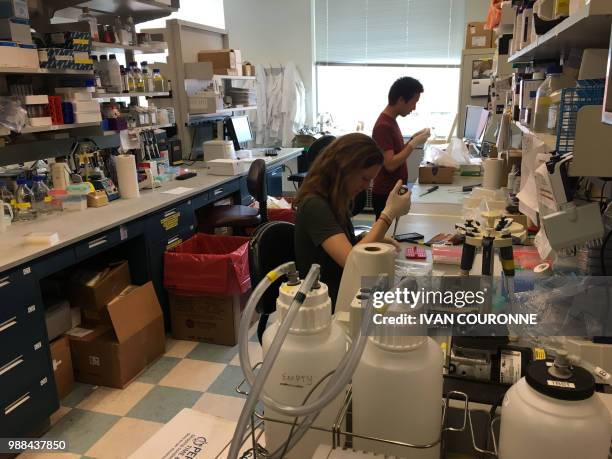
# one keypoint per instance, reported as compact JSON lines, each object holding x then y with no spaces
{"x":362,"y":46}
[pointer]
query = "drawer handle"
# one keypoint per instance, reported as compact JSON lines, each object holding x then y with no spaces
{"x":97,"y":242}
{"x":17,"y":403}
{"x":8,"y":324}
{"x":169,"y":212}
{"x":5,"y":281}
{"x":218,"y":191}
{"x":173,"y":240}
{"x":9,"y":366}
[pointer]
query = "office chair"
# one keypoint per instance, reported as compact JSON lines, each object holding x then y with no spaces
{"x":240,"y":217}
{"x":271,"y":245}
{"x":317,"y":147}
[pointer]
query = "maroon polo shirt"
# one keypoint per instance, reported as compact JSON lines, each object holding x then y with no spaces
{"x":388,"y":136}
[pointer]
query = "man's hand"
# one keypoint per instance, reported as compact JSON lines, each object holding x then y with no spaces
{"x":420,"y":137}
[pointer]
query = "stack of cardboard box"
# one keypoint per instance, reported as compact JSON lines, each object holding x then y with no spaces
{"x":224,"y":61}
{"x":122,"y":330}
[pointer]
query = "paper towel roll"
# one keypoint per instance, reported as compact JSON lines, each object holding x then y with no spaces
{"x":365,"y":260}
{"x":493,"y":173}
{"x":127,"y":176}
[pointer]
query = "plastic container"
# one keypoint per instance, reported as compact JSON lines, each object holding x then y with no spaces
{"x":158,"y":81}
{"x":103,"y":71}
{"x":6,"y":196}
{"x":42,"y":199}
{"x":114,"y":75}
{"x":553,"y":112}
{"x":24,"y":209}
{"x":397,"y":393}
{"x":313,"y":347}
{"x":547,"y":417}
{"x":93,"y":24}
{"x":555,"y":81}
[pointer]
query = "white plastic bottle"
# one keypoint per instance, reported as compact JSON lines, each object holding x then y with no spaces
{"x":313,"y":347}
{"x":397,"y":393}
{"x":553,"y":413}
{"x":114,"y":75}
{"x":93,"y":23}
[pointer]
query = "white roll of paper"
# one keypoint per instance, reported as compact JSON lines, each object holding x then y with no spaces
{"x":365,"y":260}
{"x":127,"y":176}
{"x":493,"y":173}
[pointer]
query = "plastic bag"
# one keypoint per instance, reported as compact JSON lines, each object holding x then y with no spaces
{"x":12,"y":115}
{"x":454,"y":155}
{"x":208,"y":264}
{"x":494,"y":14}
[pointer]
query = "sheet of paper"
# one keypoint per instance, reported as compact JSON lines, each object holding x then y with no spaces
{"x":528,"y":198}
{"x":178,"y":190}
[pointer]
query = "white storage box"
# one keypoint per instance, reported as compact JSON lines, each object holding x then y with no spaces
{"x":15,"y":55}
{"x":87,"y":117}
{"x":41,"y":121}
{"x":228,"y":166}
{"x":74,"y":93}
{"x":41,"y":99}
{"x":86,"y":106}
{"x":205,"y":103}
{"x":218,"y":149}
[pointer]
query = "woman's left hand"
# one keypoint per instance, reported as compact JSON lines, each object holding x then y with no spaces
{"x":393,"y":242}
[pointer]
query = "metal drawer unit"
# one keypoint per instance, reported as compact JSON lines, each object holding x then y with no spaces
{"x":170,"y":222}
{"x":224,"y":190}
{"x":28,"y":393}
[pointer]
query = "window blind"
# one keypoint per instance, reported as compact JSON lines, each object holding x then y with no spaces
{"x":409,"y":32}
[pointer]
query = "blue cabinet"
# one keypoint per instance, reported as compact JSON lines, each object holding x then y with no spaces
{"x":28,"y":394}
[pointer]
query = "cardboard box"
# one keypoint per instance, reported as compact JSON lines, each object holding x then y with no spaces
{"x":436,"y":174}
{"x":114,"y":355}
{"x":15,"y":31}
{"x":213,"y":319}
{"x":477,"y":37}
{"x":230,"y":72}
{"x":58,"y":319}
{"x":248,"y":70}
{"x":188,"y":435}
{"x":95,"y":288}
{"x":18,"y":55}
{"x":222,"y":58}
{"x":62,"y":366}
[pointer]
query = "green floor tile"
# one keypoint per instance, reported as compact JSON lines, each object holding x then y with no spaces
{"x":227,"y":381}
{"x":80,"y":392}
{"x":158,"y":370}
{"x":213,"y":353}
{"x":81,"y":429}
{"x":162,"y":403}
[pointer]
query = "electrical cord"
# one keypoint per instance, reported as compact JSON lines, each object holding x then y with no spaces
{"x":285,"y":166}
{"x":602,"y":253}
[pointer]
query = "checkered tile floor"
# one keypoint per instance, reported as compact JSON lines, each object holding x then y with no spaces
{"x":100,"y":422}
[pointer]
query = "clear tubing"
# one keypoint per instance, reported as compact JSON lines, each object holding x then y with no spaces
{"x":268,"y":362}
{"x":341,"y":376}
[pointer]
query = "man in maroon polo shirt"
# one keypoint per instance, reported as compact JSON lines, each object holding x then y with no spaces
{"x":403,"y":97}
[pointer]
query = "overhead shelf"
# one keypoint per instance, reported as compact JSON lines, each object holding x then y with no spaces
{"x":31,"y":71}
{"x":196,"y":118}
{"x":140,"y":10}
{"x":129,"y":94}
{"x":142,"y":128}
{"x":57,"y":127}
{"x":155,"y":48}
{"x":230,"y":77}
{"x":549,"y":140}
{"x":587,"y":28}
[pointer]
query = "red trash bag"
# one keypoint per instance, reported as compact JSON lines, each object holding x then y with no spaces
{"x":208,"y":264}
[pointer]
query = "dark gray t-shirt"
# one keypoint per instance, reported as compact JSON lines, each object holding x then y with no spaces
{"x":314,"y":223}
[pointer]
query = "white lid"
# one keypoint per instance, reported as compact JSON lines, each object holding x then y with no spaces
{"x":314,"y":315}
{"x":399,"y":337}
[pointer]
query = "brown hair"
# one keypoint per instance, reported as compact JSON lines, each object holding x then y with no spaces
{"x":339,"y":160}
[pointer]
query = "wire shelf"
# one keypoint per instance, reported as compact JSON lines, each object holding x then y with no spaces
{"x":588,"y":92}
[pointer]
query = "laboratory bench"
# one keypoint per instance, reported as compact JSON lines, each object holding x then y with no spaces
{"x":139,"y":230}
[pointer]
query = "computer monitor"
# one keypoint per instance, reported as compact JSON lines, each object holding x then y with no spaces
{"x":476,"y":118}
{"x":239,"y":130}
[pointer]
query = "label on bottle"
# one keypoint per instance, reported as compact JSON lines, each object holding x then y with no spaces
{"x":13,"y":203}
{"x":23,"y":205}
{"x":562,"y":384}
{"x":48,"y":199}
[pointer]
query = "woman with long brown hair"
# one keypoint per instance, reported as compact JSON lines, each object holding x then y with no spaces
{"x":324,"y":233}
